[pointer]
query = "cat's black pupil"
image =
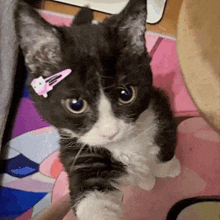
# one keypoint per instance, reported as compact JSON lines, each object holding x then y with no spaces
{"x":126,"y":94}
{"x":76,"y":104}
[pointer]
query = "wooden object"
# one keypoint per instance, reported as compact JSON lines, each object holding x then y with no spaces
{"x":198,"y":47}
{"x":166,"y":26}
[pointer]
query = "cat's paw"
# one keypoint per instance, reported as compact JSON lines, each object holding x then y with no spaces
{"x":148,"y":183}
{"x":97,"y":205}
{"x":175,"y":171}
{"x":171,"y":168}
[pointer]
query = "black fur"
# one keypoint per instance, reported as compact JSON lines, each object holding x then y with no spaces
{"x":166,"y":136}
{"x":92,"y":170}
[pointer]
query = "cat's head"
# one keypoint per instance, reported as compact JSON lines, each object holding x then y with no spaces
{"x":111,"y":79}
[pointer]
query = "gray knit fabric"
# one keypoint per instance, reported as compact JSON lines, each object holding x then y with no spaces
{"x":8,"y":59}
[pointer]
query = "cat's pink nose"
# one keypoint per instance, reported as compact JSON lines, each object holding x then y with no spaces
{"x":111,"y":136}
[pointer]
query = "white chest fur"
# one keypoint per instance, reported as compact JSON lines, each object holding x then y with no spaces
{"x":138,"y":151}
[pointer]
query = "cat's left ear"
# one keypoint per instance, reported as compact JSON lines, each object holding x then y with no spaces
{"x":38,"y":39}
{"x":130,"y":26}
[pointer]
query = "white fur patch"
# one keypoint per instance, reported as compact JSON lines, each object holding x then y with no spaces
{"x":107,"y":129}
{"x":100,"y":206}
{"x":138,"y":151}
{"x":133,"y":143}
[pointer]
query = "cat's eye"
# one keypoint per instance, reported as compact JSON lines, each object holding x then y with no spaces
{"x":76,"y":106}
{"x":127,"y":95}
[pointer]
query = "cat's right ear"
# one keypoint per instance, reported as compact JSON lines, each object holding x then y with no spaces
{"x":38,"y":39}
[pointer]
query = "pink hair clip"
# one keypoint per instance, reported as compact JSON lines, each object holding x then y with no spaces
{"x":42,"y":86}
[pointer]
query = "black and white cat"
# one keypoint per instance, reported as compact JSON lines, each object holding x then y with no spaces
{"x":115,"y":128}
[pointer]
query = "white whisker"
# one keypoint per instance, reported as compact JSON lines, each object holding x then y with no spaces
{"x":145,"y":130}
{"x":77,"y":155}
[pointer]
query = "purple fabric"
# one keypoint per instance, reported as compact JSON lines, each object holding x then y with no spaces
{"x":27,"y":119}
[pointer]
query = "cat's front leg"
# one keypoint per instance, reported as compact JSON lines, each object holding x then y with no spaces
{"x":166,"y":137}
{"x":98,"y":205}
{"x":94,"y":183}
{"x":147,"y":183}
{"x":168,"y":169}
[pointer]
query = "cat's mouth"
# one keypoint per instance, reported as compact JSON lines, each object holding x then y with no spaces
{"x":92,"y":140}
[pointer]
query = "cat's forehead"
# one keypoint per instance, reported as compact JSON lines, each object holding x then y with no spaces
{"x":87,"y":52}
{"x":81,"y":45}
{"x":87,"y":35}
